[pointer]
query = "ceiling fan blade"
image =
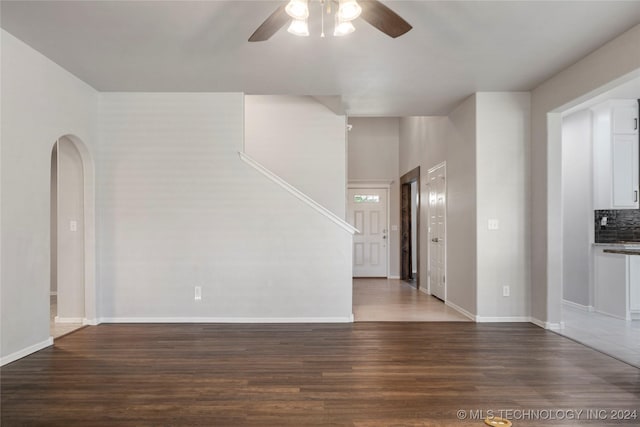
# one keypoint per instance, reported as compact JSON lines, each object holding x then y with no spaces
{"x":271,"y":25}
{"x":383,"y":18}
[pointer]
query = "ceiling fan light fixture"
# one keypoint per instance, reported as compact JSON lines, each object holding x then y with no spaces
{"x":349,"y":10}
{"x":299,"y":27}
{"x":373,"y":12}
{"x":342,"y":28}
{"x":298,"y":9}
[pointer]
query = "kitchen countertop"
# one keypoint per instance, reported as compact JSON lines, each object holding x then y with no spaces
{"x":626,"y":245}
{"x":622,"y":251}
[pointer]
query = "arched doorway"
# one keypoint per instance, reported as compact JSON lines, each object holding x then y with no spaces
{"x":72,"y":237}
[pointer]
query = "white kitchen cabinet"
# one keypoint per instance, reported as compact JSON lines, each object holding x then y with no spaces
{"x":617,"y":284}
{"x":610,"y":284}
{"x":616,"y":157}
{"x":625,"y":171}
{"x":625,"y":117}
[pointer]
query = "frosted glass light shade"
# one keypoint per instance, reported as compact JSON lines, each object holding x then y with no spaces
{"x":342,"y":28}
{"x":299,"y":27}
{"x":349,"y":10}
{"x":298,"y":9}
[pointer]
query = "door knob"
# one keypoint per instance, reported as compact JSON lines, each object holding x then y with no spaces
{"x":435,"y":240}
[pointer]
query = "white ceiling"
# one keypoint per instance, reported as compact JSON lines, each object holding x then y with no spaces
{"x":455,"y":48}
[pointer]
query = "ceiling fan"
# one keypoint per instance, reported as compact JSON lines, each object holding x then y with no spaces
{"x":297,"y":11}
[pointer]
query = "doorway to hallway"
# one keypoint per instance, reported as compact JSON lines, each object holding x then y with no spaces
{"x":409,"y":227}
{"x":67,"y":289}
{"x":395,"y":300}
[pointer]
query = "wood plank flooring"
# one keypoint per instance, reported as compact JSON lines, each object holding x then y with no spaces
{"x":397,"y":301}
{"x":361,"y":374}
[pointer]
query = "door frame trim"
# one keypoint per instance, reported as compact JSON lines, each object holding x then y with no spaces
{"x":376,"y":185}
{"x":406,"y":179}
{"x":431,"y":170}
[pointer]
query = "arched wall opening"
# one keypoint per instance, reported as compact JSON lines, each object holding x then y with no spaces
{"x":72,"y":234}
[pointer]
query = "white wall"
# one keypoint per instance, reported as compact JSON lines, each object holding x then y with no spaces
{"x":577,"y":207}
{"x":502,"y":180}
{"x":301,"y":141}
{"x":422,"y":143}
{"x":485,"y":142}
{"x":40,"y":103}
{"x":461,"y":206}
{"x":373,"y":149}
{"x":609,"y":65}
{"x":427,"y":142}
{"x":178,"y":208}
{"x":70,"y":244}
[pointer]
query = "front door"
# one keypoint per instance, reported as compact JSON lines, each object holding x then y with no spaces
{"x":367,"y":211}
{"x":437,"y":231}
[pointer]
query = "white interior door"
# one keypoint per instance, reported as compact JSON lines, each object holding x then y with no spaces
{"x":437,"y":231}
{"x":367,"y":211}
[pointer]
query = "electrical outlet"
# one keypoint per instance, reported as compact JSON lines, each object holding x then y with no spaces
{"x":493,"y":224}
{"x":506,"y":291}
{"x":73,"y":225}
{"x":198,"y":293}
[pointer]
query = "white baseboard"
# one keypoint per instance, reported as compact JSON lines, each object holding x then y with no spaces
{"x":611,"y":315}
{"x":539,"y":323}
{"x":26,"y":351}
{"x":90,"y":322}
{"x":490,"y":319}
{"x":348,"y":319}
{"x":461,"y":310}
{"x":487,"y":319}
{"x":393,"y":277}
{"x":547,"y":325}
{"x":424,"y":291}
{"x":555,"y":326}
{"x":577,"y":306}
{"x":58,"y":319}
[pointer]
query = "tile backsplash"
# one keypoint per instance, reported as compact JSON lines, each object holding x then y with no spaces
{"x":622,"y":226}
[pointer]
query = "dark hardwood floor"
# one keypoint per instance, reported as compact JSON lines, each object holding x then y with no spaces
{"x":362,"y":374}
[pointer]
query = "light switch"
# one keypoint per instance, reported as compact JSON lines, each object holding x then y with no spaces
{"x":73,"y":225}
{"x":494,"y":224}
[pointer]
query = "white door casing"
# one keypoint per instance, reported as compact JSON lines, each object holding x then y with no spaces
{"x":436,"y":230}
{"x":367,"y":211}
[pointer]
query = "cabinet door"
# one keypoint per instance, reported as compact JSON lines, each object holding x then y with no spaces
{"x":610,"y":284}
{"x":625,"y":118}
{"x":602,"y":161}
{"x":625,"y":171}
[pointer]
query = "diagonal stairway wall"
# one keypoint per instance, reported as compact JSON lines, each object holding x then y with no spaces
{"x":177,"y":208}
